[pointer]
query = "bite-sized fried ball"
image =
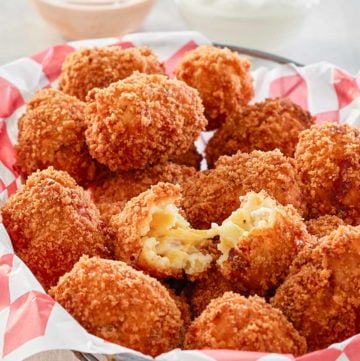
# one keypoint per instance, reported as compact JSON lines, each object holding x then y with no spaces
{"x":210,"y":196}
{"x":122,"y":186}
{"x":121,"y":305}
{"x":212,"y":286}
{"x":222,"y":78}
{"x":51,"y":133}
{"x":323,"y":225}
{"x":90,"y":68}
{"x":321,"y":295}
{"x":258,"y":243}
{"x":328,"y":159}
{"x":52,"y":223}
{"x":142,"y":120}
{"x":267,"y":125}
{"x":153,"y":236}
{"x":248,"y":324}
{"x":191,"y":158}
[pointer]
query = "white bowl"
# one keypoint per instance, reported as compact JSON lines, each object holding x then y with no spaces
{"x":78,"y":19}
{"x":261,"y":24}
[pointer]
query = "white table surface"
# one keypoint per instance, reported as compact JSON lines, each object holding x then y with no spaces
{"x":330,"y":33}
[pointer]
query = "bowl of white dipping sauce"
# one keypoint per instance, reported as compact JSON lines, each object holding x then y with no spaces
{"x":261,"y":24}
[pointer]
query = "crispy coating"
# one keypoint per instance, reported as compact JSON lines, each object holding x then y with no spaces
{"x":191,"y":158}
{"x":210,"y":196}
{"x":328,"y":159}
{"x":212,"y":286}
{"x":267,"y":125}
{"x":90,"y":68}
{"x":51,"y":133}
{"x":52,"y":223}
{"x":222,"y":78}
{"x":151,"y":235}
{"x":109,"y":209}
{"x":121,"y":305}
{"x":142,"y":120}
{"x":321,"y":295}
{"x":122,"y":186}
{"x":259,"y":242}
{"x":249,"y":324}
{"x":323,"y":225}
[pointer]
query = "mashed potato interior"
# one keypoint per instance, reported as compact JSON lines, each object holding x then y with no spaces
{"x":170,"y":242}
{"x":256,"y":211}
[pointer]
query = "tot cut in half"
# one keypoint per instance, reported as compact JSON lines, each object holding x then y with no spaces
{"x":152,"y":235}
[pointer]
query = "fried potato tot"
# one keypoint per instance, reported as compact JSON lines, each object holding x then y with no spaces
{"x":258,"y":243}
{"x":153,"y":236}
{"x":90,"y":68}
{"x":267,"y":125}
{"x":52,"y":223}
{"x":222,"y":78}
{"x":210,"y":196}
{"x":142,"y":120}
{"x":121,"y":305}
{"x":328,"y":159}
{"x":323,"y":225}
{"x":321,"y":294}
{"x":51,"y":133}
{"x":248,"y":324}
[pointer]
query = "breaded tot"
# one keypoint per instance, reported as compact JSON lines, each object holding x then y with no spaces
{"x":121,"y":305}
{"x":323,"y":225}
{"x":248,"y":324}
{"x":51,"y":133}
{"x":109,"y":209}
{"x":142,"y":120}
{"x":267,"y":125}
{"x":90,"y":68}
{"x":213,"y":285}
{"x":191,"y":158}
{"x":258,"y":243}
{"x":222,"y":78}
{"x":321,"y":295}
{"x":122,"y":186}
{"x":52,"y":223}
{"x":210,"y":196}
{"x":153,"y":236}
{"x":328,"y":159}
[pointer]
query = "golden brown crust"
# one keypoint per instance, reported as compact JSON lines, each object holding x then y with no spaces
{"x":191,"y":158}
{"x":90,"y":68}
{"x":210,"y":196}
{"x":121,"y":305}
{"x":249,"y":324}
{"x":321,"y":296}
{"x":51,"y":133}
{"x":267,"y":125}
{"x":222,"y":79}
{"x":52,"y":223}
{"x":323,"y":225}
{"x":328,"y":159}
{"x":142,"y":120}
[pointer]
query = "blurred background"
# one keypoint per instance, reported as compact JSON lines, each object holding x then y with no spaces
{"x":305,"y":31}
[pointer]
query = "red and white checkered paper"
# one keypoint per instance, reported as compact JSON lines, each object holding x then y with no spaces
{"x":30,"y":321}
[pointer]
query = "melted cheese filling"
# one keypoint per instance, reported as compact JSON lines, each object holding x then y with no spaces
{"x":256,"y":211}
{"x":170,"y":242}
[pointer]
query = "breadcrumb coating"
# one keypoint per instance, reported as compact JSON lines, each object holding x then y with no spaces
{"x":258,"y":243}
{"x":90,"y":68}
{"x":142,"y":120}
{"x":52,"y":223}
{"x":152,"y":235}
{"x":267,"y":125}
{"x":328,"y":159}
{"x":323,"y":225}
{"x":321,"y":295}
{"x":222,"y":78}
{"x":248,"y":324}
{"x":191,"y":158}
{"x":211,"y":195}
{"x":121,"y":305}
{"x":51,"y":133}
